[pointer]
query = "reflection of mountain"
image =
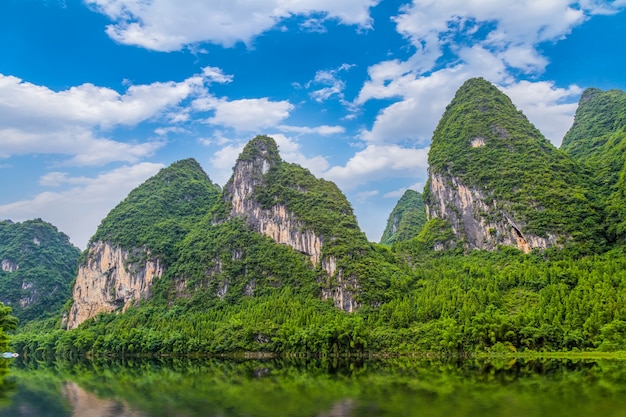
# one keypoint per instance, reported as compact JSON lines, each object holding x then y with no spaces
{"x":86,"y":404}
{"x":342,"y":408}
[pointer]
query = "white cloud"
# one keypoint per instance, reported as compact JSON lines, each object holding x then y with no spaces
{"x":249,"y":115}
{"x":323,"y":130}
{"x":418,"y":186}
{"x":35,"y":119}
{"x":333,"y":86}
{"x":415,"y":116}
{"x":290,"y":151}
{"x":168,"y":25}
{"x":223,"y":161}
{"x":78,"y":210}
{"x":378,"y":162}
{"x":549,"y":108}
{"x":363,"y":196}
{"x":23,"y":103}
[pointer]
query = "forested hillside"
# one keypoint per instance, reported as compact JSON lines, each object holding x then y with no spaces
{"x":406,"y":219}
{"x":517,"y":249}
{"x":38,"y":265}
{"x":598,"y":140}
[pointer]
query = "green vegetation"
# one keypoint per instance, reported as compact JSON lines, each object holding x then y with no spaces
{"x":308,"y":387}
{"x":406,"y":220}
{"x":39,"y":263}
{"x":484,"y":142}
{"x":598,"y":140}
{"x":159,"y":213}
{"x":227,"y":288}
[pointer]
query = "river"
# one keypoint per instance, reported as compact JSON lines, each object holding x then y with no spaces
{"x":313,"y":387}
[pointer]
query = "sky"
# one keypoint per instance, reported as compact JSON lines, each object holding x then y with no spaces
{"x":97,"y":95}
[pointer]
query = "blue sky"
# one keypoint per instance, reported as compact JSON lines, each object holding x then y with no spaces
{"x":98,"y":95}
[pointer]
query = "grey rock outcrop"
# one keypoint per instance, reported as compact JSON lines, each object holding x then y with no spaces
{"x":479,"y":221}
{"x":109,"y":281}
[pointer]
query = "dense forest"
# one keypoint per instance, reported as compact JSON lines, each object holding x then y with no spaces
{"x":275,"y":261}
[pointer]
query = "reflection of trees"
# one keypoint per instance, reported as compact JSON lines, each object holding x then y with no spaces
{"x":6,"y":387}
{"x":333,"y":387}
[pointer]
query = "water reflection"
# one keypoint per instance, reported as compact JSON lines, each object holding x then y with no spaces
{"x":316,"y":388}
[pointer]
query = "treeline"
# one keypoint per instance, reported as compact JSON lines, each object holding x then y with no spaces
{"x":504,"y":301}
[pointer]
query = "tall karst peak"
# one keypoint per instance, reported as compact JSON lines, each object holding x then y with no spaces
{"x":255,"y":160}
{"x":498,"y":181}
{"x":136,"y":242}
{"x":597,"y":139}
{"x":288,"y":204}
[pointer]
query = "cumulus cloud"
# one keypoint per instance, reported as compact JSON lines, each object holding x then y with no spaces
{"x":377,"y":162}
{"x":510,"y":34}
{"x":168,"y":25}
{"x":290,"y":151}
{"x":245,"y":115}
{"x":323,"y":130}
{"x":78,"y":209}
{"x":551,"y":109}
{"x":330,"y":83}
{"x":36,"y":119}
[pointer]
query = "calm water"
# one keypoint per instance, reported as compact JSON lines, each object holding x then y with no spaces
{"x":402,"y":387}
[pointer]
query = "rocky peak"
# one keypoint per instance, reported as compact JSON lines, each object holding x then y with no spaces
{"x":137,"y":240}
{"x":287,"y":203}
{"x":498,"y":181}
{"x":256,"y":159}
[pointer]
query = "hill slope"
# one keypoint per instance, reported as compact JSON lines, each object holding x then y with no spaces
{"x":406,"y":219}
{"x":38,"y":263}
{"x":598,"y":140}
{"x":137,"y":240}
{"x":497,"y":181}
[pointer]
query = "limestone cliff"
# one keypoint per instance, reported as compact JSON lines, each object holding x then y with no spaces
{"x":276,"y":222}
{"x":498,"y":181}
{"x":136,"y":241}
{"x":477,"y":219}
{"x":109,"y":280}
{"x":275,"y":203}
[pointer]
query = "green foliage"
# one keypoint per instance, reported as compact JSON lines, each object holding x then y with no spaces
{"x":160,"y":212}
{"x":7,"y":323}
{"x":39,"y":262}
{"x":598,"y":139}
{"x":406,"y":219}
{"x":486,"y":143}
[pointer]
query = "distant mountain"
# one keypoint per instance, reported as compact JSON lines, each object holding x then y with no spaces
{"x":37,"y":265}
{"x":137,"y":240}
{"x":496,"y":180}
{"x":406,"y":219}
{"x":598,"y":140}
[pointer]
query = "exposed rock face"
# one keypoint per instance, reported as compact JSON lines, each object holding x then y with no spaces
{"x":277,"y":222}
{"x":108,"y":281}
{"x":84,"y":403}
{"x":343,"y":289}
{"x":476,"y":219}
{"x":9,"y":266}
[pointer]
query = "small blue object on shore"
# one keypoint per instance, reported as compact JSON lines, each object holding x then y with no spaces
{"x":9,"y":355}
